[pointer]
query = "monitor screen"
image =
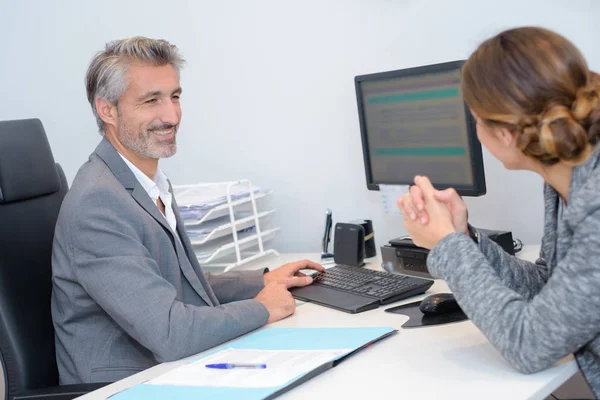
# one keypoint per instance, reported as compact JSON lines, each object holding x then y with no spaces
{"x":415,"y":122}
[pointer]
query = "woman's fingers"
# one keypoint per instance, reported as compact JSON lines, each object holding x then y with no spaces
{"x":407,"y":208}
{"x":418,"y":201}
{"x":425,"y":185}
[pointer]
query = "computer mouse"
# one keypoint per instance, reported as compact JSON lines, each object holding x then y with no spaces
{"x":439,"y":303}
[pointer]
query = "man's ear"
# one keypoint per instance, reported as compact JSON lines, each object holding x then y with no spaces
{"x":106,"y":111}
{"x":508,"y":137}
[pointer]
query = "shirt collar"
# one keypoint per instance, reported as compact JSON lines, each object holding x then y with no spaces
{"x":153,"y":187}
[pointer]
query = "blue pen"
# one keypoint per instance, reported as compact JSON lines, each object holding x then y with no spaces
{"x":232,"y":366}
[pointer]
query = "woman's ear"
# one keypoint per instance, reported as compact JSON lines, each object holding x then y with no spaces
{"x":508,"y":137}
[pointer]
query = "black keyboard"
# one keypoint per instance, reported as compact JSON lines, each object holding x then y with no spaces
{"x":382,"y":286}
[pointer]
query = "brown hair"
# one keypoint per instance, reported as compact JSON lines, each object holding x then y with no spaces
{"x":536,"y":83}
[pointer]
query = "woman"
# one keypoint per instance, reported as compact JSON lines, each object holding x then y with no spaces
{"x":536,"y":106}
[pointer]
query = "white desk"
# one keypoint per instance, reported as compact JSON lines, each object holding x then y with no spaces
{"x":453,"y":361}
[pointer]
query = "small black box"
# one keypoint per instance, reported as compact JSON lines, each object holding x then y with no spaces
{"x":503,"y":238}
{"x":349,"y":244}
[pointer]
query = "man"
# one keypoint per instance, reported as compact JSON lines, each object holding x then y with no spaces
{"x":128,"y":292}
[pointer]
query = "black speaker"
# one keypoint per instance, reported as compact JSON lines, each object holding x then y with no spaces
{"x":349,"y":244}
{"x":370,"y":248}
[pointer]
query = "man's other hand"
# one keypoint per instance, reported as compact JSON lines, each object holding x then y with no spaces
{"x":278,"y":301}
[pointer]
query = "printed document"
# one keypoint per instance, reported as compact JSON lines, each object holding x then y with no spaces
{"x":282,"y":367}
{"x":390,"y":195}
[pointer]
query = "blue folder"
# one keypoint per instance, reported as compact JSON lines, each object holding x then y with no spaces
{"x":269,"y":339}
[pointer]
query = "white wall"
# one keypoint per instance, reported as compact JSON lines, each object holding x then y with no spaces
{"x":268,"y":90}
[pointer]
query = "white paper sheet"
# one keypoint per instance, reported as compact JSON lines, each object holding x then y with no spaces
{"x":282,"y":366}
{"x":209,"y":195}
{"x":390,"y":195}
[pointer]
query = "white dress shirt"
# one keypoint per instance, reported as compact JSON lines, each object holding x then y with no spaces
{"x":157,"y":188}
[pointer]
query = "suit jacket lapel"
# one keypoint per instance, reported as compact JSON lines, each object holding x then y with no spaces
{"x":190,"y":253}
{"x":113,"y":160}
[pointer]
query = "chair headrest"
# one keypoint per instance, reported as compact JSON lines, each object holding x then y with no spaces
{"x":27,"y":167}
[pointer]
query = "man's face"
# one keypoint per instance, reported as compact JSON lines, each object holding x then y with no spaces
{"x":149,"y":112}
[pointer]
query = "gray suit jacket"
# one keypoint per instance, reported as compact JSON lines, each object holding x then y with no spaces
{"x":127,"y":294}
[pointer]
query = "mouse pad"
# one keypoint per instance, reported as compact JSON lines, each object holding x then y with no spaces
{"x":417,"y":319}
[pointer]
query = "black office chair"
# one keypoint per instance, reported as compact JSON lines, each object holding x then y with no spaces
{"x":32,"y":188}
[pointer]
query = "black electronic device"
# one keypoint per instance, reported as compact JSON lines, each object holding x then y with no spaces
{"x":355,"y":289}
{"x":503,"y":238}
{"x":414,"y":121}
{"x":370,"y":248}
{"x":349,"y":244}
{"x":439,"y":303}
{"x":402,"y":256}
{"x":327,"y":235}
{"x":449,"y":312}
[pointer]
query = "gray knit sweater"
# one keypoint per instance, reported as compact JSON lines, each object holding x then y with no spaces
{"x":532,"y":313}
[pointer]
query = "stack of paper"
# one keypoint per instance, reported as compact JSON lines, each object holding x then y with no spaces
{"x":199,"y":232}
{"x":195,"y":201}
{"x":205,"y":251}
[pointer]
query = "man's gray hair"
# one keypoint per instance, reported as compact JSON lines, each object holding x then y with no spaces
{"x":107,"y":74}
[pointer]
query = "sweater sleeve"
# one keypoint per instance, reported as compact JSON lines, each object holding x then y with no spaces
{"x":524,"y":277}
{"x":531,"y":333}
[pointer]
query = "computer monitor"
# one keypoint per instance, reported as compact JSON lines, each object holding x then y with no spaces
{"x":415,"y":122}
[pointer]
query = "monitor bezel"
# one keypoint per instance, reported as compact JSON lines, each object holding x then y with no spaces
{"x":478,"y":174}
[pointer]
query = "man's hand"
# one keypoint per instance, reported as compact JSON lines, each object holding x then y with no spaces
{"x":290,"y":274}
{"x":277,"y":299}
{"x":414,"y":206}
